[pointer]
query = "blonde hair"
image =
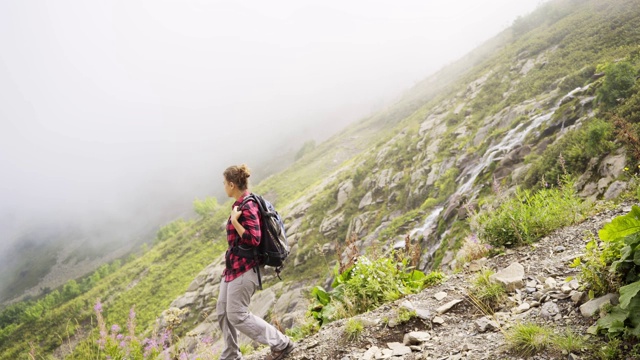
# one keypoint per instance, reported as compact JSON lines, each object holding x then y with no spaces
{"x":239,"y":175}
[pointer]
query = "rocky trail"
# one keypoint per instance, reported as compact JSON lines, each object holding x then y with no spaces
{"x":543,"y":289}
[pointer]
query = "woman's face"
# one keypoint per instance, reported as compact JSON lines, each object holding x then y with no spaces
{"x":228,"y":187}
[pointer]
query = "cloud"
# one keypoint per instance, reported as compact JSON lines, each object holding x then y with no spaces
{"x":110,"y":106}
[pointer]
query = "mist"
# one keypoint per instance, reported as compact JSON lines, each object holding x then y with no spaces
{"x":123,"y":112}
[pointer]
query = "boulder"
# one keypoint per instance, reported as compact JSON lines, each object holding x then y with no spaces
{"x":511,"y":277}
{"x":591,"y":307}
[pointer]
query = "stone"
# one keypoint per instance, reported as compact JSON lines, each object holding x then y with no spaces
{"x":591,"y":307}
{"x":522,"y":308}
{"x":550,"y":283}
{"x":423,"y":314}
{"x":549,"y":310}
{"x":398,"y":349}
{"x":416,"y":337}
{"x":578,"y":297}
{"x":438,"y":320}
{"x":446,"y":307}
{"x":511,"y":277}
{"x":441,"y":295}
{"x":370,"y":353}
{"x":485,"y":324}
{"x":407,"y":305}
{"x":614,"y":190}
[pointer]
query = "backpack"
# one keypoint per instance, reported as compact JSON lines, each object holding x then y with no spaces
{"x":273,"y":248}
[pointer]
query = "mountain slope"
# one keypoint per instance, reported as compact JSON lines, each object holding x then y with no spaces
{"x":412,"y":169}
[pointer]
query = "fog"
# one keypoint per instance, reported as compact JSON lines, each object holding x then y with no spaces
{"x":125,"y":111}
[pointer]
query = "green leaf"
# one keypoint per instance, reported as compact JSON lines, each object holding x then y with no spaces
{"x":621,"y":226}
{"x":627,"y":293}
{"x":614,"y":321}
{"x":321,"y":295}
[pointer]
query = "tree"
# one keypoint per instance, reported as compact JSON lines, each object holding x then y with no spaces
{"x":205,"y":207}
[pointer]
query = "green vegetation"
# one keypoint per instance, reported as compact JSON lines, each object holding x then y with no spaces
{"x":353,"y":329}
{"x":528,"y":339}
{"x":206,"y":207}
{"x":485,"y":293}
{"x":623,"y":234}
{"x":367,"y":285}
{"x":529,"y":215}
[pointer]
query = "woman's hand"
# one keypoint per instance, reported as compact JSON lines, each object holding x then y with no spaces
{"x":235,"y":214}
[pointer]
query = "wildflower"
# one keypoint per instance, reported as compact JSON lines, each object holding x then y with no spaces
{"x":98,"y":306}
{"x":120,"y":337}
{"x":115,"y":328}
{"x":123,"y":344}
{"x":626,"y":168}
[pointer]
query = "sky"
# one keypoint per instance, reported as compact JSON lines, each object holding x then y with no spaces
{"x":116,"y":109}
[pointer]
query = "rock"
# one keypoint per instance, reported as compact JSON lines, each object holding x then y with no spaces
{"x":559,"y":248}
{"x":549,"y":310}
{"x":477,"y":265}
{"x":614,"y":190}
{"x":550,"y":283}
{"x":446,"y":307}
{"x":407,"y":305}
{"x":423,"y":314}
{"x":591,"y":307}
{"x":441,"y":295}
{"x":366,"y":200}
{"x":522,"y":308}
{"x":485,"y":324}
{"x":511,"y":277}
{"x":578,"y":297}
{"x":438,"y":320}
{"x":370,"y":353}
{"x":416,"y":337}
{"x":343,"y":192}
{"x":330,"y":226}
{"x":399,"y":349}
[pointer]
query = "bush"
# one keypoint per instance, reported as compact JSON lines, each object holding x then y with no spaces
{"x":367,"y":285}
{"x":529,"y":216}
{"x":619,"y":79}
{"x":624,"y":232}
{"x":528,"y":339}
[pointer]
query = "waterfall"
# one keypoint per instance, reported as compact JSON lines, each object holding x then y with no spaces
{"x":469,"y":175}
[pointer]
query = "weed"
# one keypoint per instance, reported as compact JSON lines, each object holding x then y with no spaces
{"x":568,"y":341}
{"x":353,"y":329}
{"x":405,"y":314}
{"x":485,"y":293}
{"x":528,"y":339}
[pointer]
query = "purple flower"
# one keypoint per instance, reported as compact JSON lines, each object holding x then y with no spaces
{"x":98,"y":306}
{"x":207,"y":340}
{"x":123,"y":344}
{"x":120,"y":337}
{"x":115,"y":328}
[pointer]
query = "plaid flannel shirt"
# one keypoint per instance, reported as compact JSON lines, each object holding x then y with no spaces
{"x":250,"y":220}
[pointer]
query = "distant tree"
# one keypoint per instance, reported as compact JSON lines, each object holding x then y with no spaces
{"x":70,"y":290}
{"x":205,"y":207}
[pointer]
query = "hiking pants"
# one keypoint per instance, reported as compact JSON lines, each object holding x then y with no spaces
{"x":233,"y":316}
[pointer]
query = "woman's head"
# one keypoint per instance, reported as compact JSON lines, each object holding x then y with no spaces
{"x":236,"y":177}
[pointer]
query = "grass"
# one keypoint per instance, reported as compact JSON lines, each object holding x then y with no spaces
{"x":353,"y":329}
{"x":527,"y":339}
{"x":486,"y":294}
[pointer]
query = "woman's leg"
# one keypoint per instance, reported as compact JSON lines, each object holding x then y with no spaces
{"x":239,"y":295}
{"x":231,"y":350}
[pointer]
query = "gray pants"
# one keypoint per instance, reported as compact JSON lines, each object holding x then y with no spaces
{"x":233,"y":315}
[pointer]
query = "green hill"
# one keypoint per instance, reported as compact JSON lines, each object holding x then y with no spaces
{"x":459,"y":143}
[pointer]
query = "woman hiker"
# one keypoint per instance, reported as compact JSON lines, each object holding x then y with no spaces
{"x":241,"y":278}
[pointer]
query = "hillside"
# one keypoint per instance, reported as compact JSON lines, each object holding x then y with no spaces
{"x":551,"y":104}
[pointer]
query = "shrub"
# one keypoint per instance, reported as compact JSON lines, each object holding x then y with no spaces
{"x":489,"y":293}
{"x":624,"y":232}
{"x":367,"y":285}
{"x":529,"y":215}
{"x":619,"y":79}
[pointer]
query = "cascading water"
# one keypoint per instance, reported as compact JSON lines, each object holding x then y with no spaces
{"x":469,"y":175}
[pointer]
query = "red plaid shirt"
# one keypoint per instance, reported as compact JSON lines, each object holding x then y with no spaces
{"x":250,"y":220}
